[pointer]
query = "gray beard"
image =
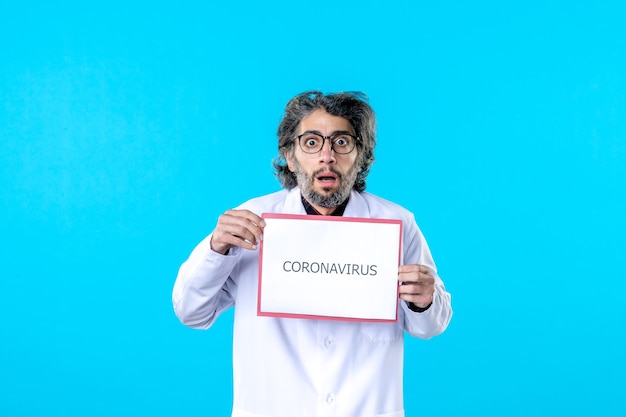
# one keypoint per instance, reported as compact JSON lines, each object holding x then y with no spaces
{"x":305,"y":182}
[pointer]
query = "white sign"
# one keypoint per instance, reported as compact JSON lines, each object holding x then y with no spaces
{"x":326,"y":267}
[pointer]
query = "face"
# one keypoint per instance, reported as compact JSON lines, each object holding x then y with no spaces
{"x":325,"y":178}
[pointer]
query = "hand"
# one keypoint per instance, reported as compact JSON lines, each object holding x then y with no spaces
{"x":241,"y":228}
{"x":417,"y":284}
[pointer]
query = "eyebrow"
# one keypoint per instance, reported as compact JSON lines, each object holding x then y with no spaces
{"x":336,"y":132}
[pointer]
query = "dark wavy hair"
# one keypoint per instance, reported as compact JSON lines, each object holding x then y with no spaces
{"x":353,"y":106}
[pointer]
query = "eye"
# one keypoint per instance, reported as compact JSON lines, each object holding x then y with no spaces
{"x":310,"y":141}
{"x":342,"y":141}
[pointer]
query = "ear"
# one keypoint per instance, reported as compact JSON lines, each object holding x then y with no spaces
{"x":289,"y":159}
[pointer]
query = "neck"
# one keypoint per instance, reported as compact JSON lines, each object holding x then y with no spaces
{"x":324,"y":211}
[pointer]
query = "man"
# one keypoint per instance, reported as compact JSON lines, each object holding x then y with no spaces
{"x":291,"y":367}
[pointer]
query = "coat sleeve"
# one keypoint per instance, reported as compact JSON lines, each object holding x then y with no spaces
{"x":205,"y":286}
{"x":433,"y":321}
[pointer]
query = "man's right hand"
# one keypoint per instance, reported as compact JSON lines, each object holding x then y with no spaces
{"x":241,"y":228}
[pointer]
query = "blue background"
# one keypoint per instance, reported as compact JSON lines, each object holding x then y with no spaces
{"x":126,"y":129}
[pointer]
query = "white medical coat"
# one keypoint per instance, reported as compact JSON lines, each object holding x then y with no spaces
{"x":288,"y":367}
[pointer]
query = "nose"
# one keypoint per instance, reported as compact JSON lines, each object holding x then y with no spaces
{"x":327,"y":155}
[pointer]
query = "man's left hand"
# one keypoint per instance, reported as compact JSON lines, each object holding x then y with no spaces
{"x":417,"y":284}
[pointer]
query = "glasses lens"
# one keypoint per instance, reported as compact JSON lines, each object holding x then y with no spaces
{"x":343,"y":144}
{"x":311,"y":143}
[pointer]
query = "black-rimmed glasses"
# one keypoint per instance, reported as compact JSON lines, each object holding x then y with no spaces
{"x":341,"y":143}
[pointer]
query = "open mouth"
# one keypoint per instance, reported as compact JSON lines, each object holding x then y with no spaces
{"x":327,"y":177}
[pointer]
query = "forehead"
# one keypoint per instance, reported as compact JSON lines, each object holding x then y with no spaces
{"x":322,"y":121}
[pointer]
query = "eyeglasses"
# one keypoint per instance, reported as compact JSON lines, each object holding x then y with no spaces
{"x":341,"y":143}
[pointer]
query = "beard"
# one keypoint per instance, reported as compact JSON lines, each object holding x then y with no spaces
{"x":328,"y":199}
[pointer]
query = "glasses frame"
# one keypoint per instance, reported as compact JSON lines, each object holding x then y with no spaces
{"x":330,"y":140}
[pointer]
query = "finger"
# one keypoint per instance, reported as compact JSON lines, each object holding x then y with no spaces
{"x":408,"y":268}
{"x":244,"y":233}
{"x":247,"y":214}
{"x":408,"y":273}
{"x":416,"y":278}
{"x":416,"y":289}
{"x":413,"y":268}
{"x":225,"y":242}
{"x":415,"y":273}
{"x":419,"y":300}
{"x":242,"y":223}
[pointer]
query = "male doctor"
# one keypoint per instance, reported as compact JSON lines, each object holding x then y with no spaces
{"x":291,"y":367}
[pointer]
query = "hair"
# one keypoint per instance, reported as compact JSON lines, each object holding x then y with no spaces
{"x":352,"y":106}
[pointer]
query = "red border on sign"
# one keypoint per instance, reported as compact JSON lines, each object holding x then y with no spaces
{"x":333,"y":219}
